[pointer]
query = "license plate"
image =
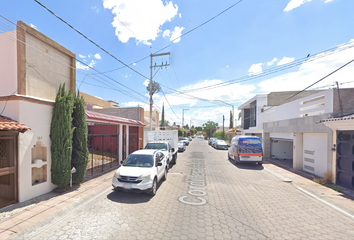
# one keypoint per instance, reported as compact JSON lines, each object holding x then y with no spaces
{"x":127,"y":186}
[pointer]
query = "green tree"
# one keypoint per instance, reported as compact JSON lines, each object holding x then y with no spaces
{"x":210,"y":124}
{"x":231,"y":121}
{"x":219,"y":135}
{"x":162,"y":122}
{"x":80,"y":150}
{"x":199,"y":128}
{"x":180,"y":133}
{"x":61,"y":134}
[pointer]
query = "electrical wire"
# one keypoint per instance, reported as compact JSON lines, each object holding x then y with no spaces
{"x":94,"y":43}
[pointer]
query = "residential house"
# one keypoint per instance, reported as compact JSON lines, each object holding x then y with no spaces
{"x":32,"y":67}
{"x":290,"y":129}
{"x":155,"y":123}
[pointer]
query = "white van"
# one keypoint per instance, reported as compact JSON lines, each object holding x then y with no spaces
{"x":246,"y":149}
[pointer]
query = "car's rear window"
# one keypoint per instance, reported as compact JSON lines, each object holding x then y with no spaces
{"x":250,"y":145}
{"x":158,"y":146}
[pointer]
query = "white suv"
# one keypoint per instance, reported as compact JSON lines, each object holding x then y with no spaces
{"x":141,"y":171}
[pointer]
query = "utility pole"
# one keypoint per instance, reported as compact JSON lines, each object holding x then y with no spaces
{"x":183,"y":117}
{"x":233,"y":114}
{"x":151,"y":82}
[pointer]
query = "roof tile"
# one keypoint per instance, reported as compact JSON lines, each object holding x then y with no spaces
{"x":9,"y":124}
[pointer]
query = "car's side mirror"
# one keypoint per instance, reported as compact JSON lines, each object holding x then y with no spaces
{"x":172,"y":149}
{"x":121,"y":162}
{"x":159,"y":164}
{"x":141,"y":148}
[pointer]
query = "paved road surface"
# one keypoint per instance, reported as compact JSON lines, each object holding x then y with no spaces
{"x":205,"y":196}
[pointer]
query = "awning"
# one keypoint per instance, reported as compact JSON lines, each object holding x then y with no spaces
{"x":9,"y":124}
{"x":341,"y":123}
{"x":104,"y":118}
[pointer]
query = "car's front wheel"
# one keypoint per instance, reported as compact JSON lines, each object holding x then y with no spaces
{"x":154,"y":188}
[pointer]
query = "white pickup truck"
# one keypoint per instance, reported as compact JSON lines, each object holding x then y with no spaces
{"x":166,"y":141}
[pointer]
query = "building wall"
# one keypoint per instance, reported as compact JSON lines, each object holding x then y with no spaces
{"x":345,"y":97}
{"x":40,"y":130}
{"x":8,"y":63}
{"x":130,"y":113}
{"x":279,"y":98}
{"x":42,"y":64}
{"x":95,"y":100}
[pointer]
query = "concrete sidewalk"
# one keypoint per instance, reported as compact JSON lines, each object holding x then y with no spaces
{"x":45,"y":212}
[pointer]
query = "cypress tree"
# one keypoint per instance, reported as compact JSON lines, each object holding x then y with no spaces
{"x":61,"y":132}
{"x":163,"y":117}
{"x":80,"y":150}
{"x":231,"y":121}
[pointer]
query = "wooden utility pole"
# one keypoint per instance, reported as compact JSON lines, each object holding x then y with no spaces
{"x":151,"y":82}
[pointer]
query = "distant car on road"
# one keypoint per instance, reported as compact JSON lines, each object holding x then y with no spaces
{"x":211,"y":140}
{"x":181,"y":146}
{"x":190,"y":138}
{"x":185,"y":140}
{"x":141,"y":171}
{"x":221,"y":144}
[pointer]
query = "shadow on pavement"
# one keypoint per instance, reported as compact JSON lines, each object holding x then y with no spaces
{"x":129,"y":197}
{"x":249,"y":166}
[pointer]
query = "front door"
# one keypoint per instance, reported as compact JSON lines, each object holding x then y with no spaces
{"x":8,"y":168}
{"x":345,"y":158}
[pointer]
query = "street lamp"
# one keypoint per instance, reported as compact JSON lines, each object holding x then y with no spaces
{"x":233,"y":114}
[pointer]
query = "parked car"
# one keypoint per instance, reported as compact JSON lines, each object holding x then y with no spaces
{"x":141,"y":171}
{"x":246,"y":149}
{"x":185,"y":140}
{"x":181,"y":146}
{"x":166,"y":148}
{"x":190,"y":139}
{"x":211,"y":140}
{"x":221,"y":144}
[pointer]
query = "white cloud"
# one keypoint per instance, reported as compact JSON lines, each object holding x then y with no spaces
{"x":143,"y":18}
{"x":84,"y":67}
{"x":97,"y":56}
{"x":314,"y":69}
{"x":34,"y":26}
{"x":177,"y":32}
{"x":95,"y":9}
{"x":255,"y":69}
{"x":82,"y":56}
{"x":180,"y":15}
{"x":271,"y":62}
{"x":136,"y":104}
{"x":327,"y":1}
{"x":227,"y":66}
{"x":285,"y":60}
{"x":166,"y":33}
{"x":146,"y":82}
{"x":294,"y":4}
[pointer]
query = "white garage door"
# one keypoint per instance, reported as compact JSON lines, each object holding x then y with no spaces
{"x":315,"y":153}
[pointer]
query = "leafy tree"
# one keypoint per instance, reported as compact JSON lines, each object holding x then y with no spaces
{"x":194,"y":131}
{"x":180,"y":133}
{"x":219,"y":135}
{"x":174,"y":123}
{"x":61,"y":134}
{"x":80,"y":150}
{"x":186,"y":127}
{"x":210,"y":124}
{"x":199,"y":129}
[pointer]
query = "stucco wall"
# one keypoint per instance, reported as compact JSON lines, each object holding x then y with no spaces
{"x":40,"y":130}
{"x":279,"y":98}
{"x":95,"y":100}
{"x":8,"y":63}
{"x":347,"y":100}
{"x":130,"y":113}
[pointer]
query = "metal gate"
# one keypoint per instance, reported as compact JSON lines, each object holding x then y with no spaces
{"x":8,"y":169}
{"x":345,"y":159}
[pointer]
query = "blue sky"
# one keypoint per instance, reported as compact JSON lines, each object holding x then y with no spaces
{"x":253,"y":47}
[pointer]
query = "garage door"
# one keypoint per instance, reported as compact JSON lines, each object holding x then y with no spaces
{"x":345,"y":158}
{"x":315,"y":154}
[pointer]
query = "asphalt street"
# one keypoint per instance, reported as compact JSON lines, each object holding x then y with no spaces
{"x":205,"y":196}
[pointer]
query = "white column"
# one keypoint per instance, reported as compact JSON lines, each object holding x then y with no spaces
{"x":127,"y":140}
{"x":120,"y":143}
{"x":298,"y":151}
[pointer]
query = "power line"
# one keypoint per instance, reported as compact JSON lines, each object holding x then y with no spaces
{"x":195,"y":28}
{"x":314,"y":83}
{"x":89,"y":39}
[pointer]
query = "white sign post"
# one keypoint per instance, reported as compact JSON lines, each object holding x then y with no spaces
{"x":73,"y":170}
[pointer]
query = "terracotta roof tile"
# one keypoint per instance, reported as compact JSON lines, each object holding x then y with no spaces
{"x":9,"y":124}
